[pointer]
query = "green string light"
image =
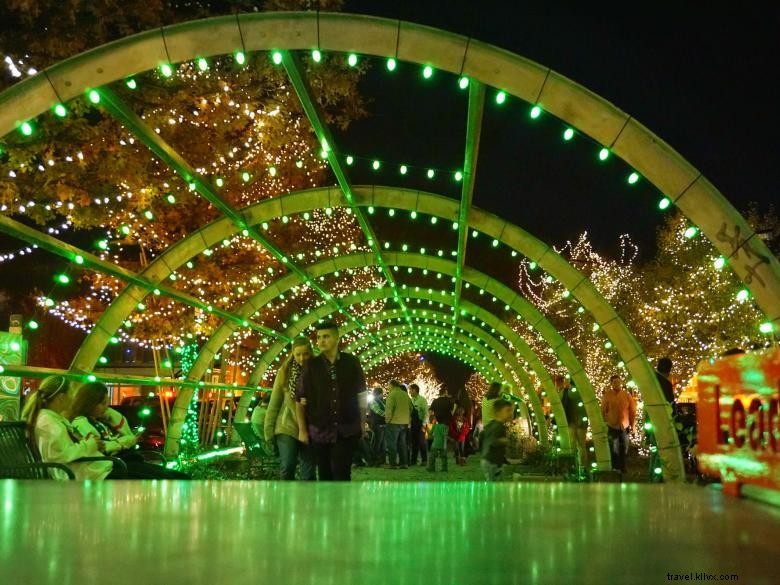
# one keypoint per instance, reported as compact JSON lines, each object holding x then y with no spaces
{"x":633,"y":178}
{"x":26,"y":128}
{"x":664,"y":204}
{"x":60,"y":111}
{"x":240,"y":57}
{"x":427,"y":72}
{"x":691,"y":232}
{"x":166,"y":70}
{"x":500,"y":97}
{"x":536,"y":111}
{"x":391,"y":64}
{"x":568,"y":134}
{"x":203,"y":65}
{"x":463,"y":82}
{"x":603,"y":154}
{"x":131,"y":83}
{"x":316,"y":55}
{"x":352,"y":59}
{"x":276,"y":57}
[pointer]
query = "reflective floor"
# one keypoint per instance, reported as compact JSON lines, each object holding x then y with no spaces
{"x":375,"y":533}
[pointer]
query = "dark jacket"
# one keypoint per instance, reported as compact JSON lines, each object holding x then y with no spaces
{"x":327,"y":409}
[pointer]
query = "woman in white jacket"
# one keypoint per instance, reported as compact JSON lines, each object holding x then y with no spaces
{"x":92,"y":417}
{"x":57,"y":441}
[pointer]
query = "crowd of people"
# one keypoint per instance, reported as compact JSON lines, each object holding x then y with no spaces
{"x":320,"y":419}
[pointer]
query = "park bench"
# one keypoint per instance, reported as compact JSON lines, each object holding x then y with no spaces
{"x":18,"y":459}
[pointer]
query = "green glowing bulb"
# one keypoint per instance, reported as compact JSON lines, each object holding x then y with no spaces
{"x":203,"y":65}
{"x":171,"y":199}
{"x":474,"y":233}
{"x":114,"y":340}
{"x":500,"y":97}
{"x":434,"y":220}
{"x":633,"y":178}
{"x":536,"y":111}
{"x":272,"y":171}
{"x":219,"y":181}
{"x":495,"y":243}
{"x":26,"y":128}
{"x":245,"y":176}
{"x":350,"y":159}
{"x":128,"y":324}
{"x":603,"y":154}
{"x":719,"y":263}
{"x":391,"y":212}
{"x":743,"y":295}
{"x":103,"y":359}
{"x":145,"y":411}
{"x":648,"y":426}
{"x":352,"y":59}
{"x":240,"y":57}
{"x":391,"y":64}
{"x":131,"y":83}
{"x":413,"y":215}
{"x":532,"y":266}
{"x":48,"y":302}
{"x":568,"y":134}
{"x":78,"y":259}
{"x":664,"y":203}
{"x":431,"y":173}
{"x":62,"y":278}
{"x":94,"y":96}
{"x":463,"y":82}
{"x":148,"y":215}
{"x":427,"y":72}
{"x":166,"y":70}
{"x":316,"y":55}
{"x":766,"y":327}
{"x":125,"y":229}
{"x":15,"y":346}
{"x":276,"y":57}
{"x":156,"y":292}
{"x":299,"y":164}
{"x":60,"y":111}
{"x":403,"y":169}
{"x":32,"y":324}
{"x":375,"y":165}
{"x":141,"y":307}
{"x":92,"y":378}
{"x":371,"y":209}
{"x":691,"y":232}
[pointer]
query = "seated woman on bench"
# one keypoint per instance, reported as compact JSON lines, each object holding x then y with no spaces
{"x":92,"y":417}
{"x":56,"y":440}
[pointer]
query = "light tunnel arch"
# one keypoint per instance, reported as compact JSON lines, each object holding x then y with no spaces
{"x":504,"y":294}
{"x":655,"y":160}
{"x":590,"y":114}
{"x":430,"y":204}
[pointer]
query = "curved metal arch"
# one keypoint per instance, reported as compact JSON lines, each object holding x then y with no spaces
{"x":693,"y":194}
{"x":504,"y":294}
{"x":431,"y":204}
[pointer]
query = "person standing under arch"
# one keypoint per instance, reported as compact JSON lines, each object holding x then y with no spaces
{"x":331,"y":405}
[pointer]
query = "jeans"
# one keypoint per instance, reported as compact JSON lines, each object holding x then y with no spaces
{"x":334,"y":460}
{"x":618,"y":445}
{"x":418,"y":443}
{"x":491,"y":470}
{"x":290,"y":452}
{"x":395,"y":439}
{"x":435,"y":454}
{"x":460,"y":450}
{"x":378,"y":443}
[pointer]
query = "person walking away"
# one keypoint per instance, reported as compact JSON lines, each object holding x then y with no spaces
{"x":398,"y":412}
{"x":459,"y":430}
{"x":663,"y":372}
{"x":493,"y":393}
{"x":376,"y":421}
{"x":55,"y":438}
{"x":577,"y":419}
{"x":494,"y":439}
{"x":280,"y":426}
{"x":438,"y":449}
{"x":619,"y":410}
{"x":418,"y":421}
{"x":331,"y":405}
{"x":443,"y":407}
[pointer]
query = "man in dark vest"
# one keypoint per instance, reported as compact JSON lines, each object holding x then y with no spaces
{"x":331,"y":405}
